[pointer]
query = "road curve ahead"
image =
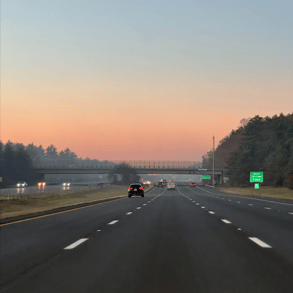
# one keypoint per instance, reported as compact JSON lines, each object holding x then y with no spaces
{"x":183,"y":240}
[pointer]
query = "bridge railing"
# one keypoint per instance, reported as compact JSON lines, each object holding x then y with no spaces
{"x":133,"y":164}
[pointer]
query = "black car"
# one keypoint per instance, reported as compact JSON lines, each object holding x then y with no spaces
{"x":160,"y":184}
{"x":135,"y":189}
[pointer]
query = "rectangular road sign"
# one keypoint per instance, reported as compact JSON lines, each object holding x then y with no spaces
{"x":205,"y":176}
{"x":256,"y":176}
{"x":256,"y":185}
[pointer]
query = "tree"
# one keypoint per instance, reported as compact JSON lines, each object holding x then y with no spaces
{"x":127,"y":173}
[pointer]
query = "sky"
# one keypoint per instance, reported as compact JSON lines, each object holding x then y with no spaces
{"x":141,"y":80}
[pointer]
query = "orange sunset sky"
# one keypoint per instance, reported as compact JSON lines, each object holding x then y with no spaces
{"x":141,"y":81}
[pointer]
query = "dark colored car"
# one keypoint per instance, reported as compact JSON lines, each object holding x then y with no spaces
{"x":160,"y":184}
{"x":135,"y":189}
{"x":192,"y":184}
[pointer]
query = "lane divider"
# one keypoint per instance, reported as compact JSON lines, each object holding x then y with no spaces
{"x":259,"y":242}
{"x":76,"y":243}
{"x":113,"y":222}
{"x":226,"y":221}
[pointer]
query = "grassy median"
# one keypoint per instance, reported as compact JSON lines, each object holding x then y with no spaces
{"x":29,"y":205}
{"x":265,"y":191}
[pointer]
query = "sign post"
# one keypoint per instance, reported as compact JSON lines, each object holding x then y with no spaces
{"x":256,"y":178}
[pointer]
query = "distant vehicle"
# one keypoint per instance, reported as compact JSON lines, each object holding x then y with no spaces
{"x":21,"y":184}
{"x":42,"y":184}
{"x":171,"y":185}
{"x":135,"y":189}
{"x":161,"y":184}
{"x":192,"y":184}
{"x":66,"y":184}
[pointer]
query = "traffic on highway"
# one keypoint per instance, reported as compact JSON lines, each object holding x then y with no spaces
{"x":194,"y":240}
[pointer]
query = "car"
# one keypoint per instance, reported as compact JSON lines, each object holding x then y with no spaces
{"x":21,"y":184}
{"x":161,"y":184}
{"x":66,"y":184}
{"x":192,"y":184}
{"x":135,"y":189}
{"x":171,"y":186}
{"x":42,"y":184}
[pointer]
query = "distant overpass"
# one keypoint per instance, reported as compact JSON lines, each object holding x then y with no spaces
{"x":140,"y":170}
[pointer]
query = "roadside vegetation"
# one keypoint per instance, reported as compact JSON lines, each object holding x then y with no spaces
{"x":27,"y":205}
{"x":264,"y":192}
{"x":259,"y":144}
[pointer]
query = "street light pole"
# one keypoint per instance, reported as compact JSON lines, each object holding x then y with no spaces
{"x":213,"y":160}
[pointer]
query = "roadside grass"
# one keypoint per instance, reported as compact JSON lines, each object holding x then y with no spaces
{"x":264,"y":191}
{"x":29,"y":205}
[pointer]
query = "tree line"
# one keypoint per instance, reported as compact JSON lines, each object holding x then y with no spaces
{"x":17,"y":161}
{"x":259,"y":144}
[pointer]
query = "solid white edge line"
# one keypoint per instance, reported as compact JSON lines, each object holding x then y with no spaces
{"x":238,"y":196}
{"x":113,"y":222}
{"x":225,"y":221}
{"x":259,"y":242}
{"x":76,"y":243}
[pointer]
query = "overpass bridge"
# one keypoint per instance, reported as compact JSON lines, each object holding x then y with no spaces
{"x":146,"y":169}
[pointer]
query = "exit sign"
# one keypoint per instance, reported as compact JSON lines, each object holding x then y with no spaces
{"x":256,"y":176}
{"x":205,"y":176}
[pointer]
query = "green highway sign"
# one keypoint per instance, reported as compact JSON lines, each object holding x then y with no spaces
{"x":256,"y":176}
{"x":205,"y":177}
{"x":256,"y":185}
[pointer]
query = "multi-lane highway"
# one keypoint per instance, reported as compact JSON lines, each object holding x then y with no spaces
{"x":183,"y":240}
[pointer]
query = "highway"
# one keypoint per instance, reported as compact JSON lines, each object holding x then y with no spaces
{"x":183,"y":240}
{"x":36,"y":190}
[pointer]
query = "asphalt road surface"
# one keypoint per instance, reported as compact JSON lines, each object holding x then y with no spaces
{"x":187,"y":240}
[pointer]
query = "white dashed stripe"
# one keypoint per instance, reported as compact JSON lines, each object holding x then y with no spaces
{"x":259,"y":242}
{"x":211,"y":212}
{"x":266,"y":208}
{"x":226,"y":221}
{"x":76,"y":243}
{"x":113,"y":222}
{"x":129,"y":213}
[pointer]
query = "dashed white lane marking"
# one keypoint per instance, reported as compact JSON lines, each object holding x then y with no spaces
{"x":197,"y":203}
{"x":113,"y":222}
{"x":290,"y":204}
{"x":138,"y":208}
{"x":238,"y":201}
{"x":148,"y":201}
{"x":250,"y":204}
{"x":226,"y":221}
{"x":223,"y":198}
{"x":144,"y":204}
{"x":290,"y":213}
{"x":229,"y":199}
{"x":203,"y":207}
{"x":76,"y":243}
{"x":98,"y":230}
{"x":266,"y":208}
{"x":259,"y":242}
{"x":193,"y":201}
{"x":129,"y":213}
{"x":239,"y":229}
{"x":211,"y":212}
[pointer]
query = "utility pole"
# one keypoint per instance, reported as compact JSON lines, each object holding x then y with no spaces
{"x":213,"y":161}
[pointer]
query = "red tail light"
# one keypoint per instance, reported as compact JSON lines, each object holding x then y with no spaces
{"x":141,"y":188}
{"x":130,"y":188}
